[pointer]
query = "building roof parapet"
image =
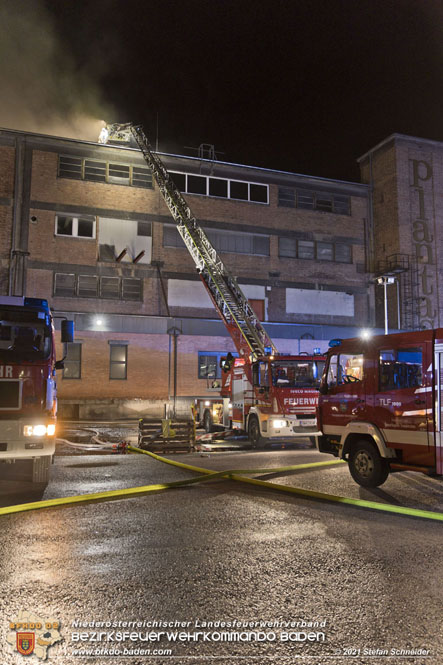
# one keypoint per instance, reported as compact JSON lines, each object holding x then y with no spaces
{"x":302,"y":179}
{"x":392,"y":138}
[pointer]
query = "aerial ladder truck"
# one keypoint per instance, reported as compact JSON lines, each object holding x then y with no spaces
{"x":272,"y":397}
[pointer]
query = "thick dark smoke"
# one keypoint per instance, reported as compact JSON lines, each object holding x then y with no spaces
{"x":42,"y":88}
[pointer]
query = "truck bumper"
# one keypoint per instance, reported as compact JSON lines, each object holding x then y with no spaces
{"x":15,"y":445}
{"x":273,"y":429}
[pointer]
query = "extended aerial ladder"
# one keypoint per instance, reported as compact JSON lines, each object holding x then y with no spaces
{"x":249,"y":336}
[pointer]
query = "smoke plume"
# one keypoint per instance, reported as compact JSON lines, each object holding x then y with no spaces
{"x":42,"y":88}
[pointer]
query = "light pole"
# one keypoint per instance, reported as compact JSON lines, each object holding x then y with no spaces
{"x":385,"y":280}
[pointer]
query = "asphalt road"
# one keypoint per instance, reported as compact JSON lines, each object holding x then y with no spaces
{"x":224,"y":551}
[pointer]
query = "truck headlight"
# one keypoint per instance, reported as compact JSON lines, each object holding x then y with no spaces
{"x":279,"y":423}
{"x":39,"y":430}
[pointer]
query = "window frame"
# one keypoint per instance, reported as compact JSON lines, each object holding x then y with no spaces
{"x":248,"y":183}
{"x":69,"y":345}
{"x":118,"y":344}
{"x":137,"y":173}
{"x":396,"y":350}
{"x":176,"y":241}
{"x":215,"y":354}
{"x":75,"y":220}
{"x":100,"y":279}
{"x":315,"y":246}
{"x":319,"y":200}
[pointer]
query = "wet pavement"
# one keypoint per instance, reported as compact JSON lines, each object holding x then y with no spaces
{"x":224,"y":551}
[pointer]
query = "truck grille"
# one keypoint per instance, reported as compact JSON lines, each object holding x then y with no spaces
{"x":10,"y":394}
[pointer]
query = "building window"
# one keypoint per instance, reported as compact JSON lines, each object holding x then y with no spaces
{"x":118,"y":361}
{"x":325,"y":251}
{"x":221,"y":187}
{"x":80,"y":168}
{"x":110,"y":287}
{"x":87,"y":286}
{"x":314,"y":200}
{"x":308,"y":249}
{"x":73,"y":361}
{"x":144,"y":229}
{"x":131,"y":288}
{"x":92,"y":286}
{"x":64,"y":284}
{"x":287,"y":247}
{"x":209,"y":363}
{"x":223,"y":241}
{"x":286,"y":197}
{"x":75,"y":226}
{"x":343,"y":253}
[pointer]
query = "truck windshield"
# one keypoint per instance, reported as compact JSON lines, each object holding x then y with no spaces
{"x":24,"y":336}
{"x":297,"y":373}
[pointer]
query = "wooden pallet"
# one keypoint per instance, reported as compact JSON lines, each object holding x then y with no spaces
{"x":164,"y":436}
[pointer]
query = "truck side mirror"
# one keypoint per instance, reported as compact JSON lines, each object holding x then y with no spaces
{"x":67,"y":331}
{"x":59,"y":364}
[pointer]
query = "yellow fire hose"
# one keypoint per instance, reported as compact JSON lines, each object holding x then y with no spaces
{"x":231,"y":474}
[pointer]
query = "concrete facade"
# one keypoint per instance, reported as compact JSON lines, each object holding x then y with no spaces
{"x":82,"y":225}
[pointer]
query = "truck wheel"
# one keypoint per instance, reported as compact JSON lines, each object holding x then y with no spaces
{"x":207,"y":422}
{"x":367,"y":467}
{"x":254,"y":432}
{"x":41,"y":467}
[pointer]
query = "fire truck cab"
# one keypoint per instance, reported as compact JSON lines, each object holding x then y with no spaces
{"x":380,"y":404}
{"x":28,"y":390}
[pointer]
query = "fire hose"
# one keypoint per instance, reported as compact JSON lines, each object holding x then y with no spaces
{"x":238,"y":475}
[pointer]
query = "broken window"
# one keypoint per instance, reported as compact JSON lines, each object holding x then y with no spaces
{"x":78,"y":227}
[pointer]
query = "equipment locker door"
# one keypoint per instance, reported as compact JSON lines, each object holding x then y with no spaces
{"x":439,"y":408}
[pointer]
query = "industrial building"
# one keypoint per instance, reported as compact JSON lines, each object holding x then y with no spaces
{"x":85,"y":226}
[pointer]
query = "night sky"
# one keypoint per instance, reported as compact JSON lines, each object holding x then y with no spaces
{"x":300,"y":86}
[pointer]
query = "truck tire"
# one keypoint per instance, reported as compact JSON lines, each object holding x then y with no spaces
{"x":254,"y":432}
{"x":208,"y":423}
{"x":41,"y":467}
{"x":366,"y":466}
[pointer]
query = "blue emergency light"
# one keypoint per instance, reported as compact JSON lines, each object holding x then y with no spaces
{"x":268,"y":350}
{"x":335,"y":342}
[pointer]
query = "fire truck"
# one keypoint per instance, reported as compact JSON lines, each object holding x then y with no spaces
{"x":28,"y":394}
{"x":380,"y":405}
{"x":272,"y":397}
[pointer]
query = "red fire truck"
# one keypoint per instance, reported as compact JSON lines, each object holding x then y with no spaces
{"x":273,"y":396}
{"x":28,"y":395}
{"x":273,"y":399}
{"x":380,"y":405}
